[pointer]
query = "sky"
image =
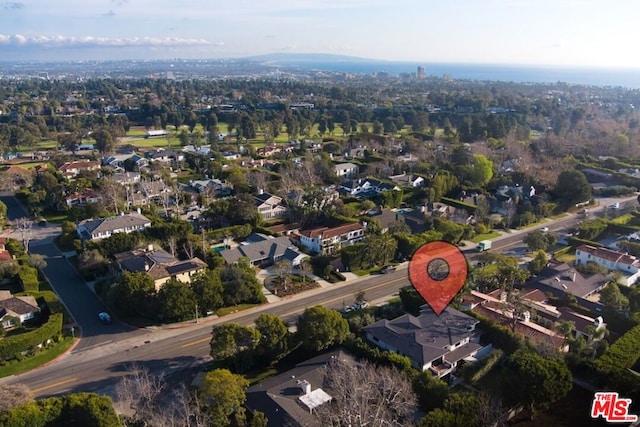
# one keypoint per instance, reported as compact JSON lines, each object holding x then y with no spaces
{"x":574,"y":33}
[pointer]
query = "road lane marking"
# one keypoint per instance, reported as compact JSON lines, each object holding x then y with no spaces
{"x":289,"y":313}
{"x":201,"y":340}
{"x":37,"y":390}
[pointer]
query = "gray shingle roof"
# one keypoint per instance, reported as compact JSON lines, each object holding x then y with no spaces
{"x":114,"y":223}
{"x":424,"y":338}
{"x":260,"y":250}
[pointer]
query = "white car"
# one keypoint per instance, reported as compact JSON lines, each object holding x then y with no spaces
{"x":544,"y":229}
{"x":615,"y":205}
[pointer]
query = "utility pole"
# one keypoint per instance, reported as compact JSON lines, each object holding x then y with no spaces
{"x":196,"y":312}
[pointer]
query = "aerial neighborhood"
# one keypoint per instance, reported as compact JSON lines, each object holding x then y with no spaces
{"x":254,"y":237}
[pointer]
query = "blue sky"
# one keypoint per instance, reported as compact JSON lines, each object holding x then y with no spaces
{"x":594,"y":33}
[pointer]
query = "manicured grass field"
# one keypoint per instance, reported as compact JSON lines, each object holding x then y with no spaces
{"x":228,"y":310}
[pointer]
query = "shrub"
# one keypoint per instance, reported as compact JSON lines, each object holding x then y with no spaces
{"x":28,"y":277}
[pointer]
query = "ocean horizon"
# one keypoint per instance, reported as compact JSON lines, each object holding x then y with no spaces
{"x":606,"y":77}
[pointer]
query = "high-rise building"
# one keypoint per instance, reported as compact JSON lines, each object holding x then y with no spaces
{"x":420,"y":74}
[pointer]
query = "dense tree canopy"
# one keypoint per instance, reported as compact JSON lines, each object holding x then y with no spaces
{"x":320,"y":328}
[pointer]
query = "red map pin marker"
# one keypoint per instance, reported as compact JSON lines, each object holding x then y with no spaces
{"x":438,"y":271}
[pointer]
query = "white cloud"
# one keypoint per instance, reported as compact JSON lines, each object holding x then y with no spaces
{"x":90,"y":41}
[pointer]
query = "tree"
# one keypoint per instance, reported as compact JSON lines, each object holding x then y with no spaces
{"x":176,"y":301}
{"x":208,"y":290}
{"x":133,"y":295}
{"x":537,"y":240}
{"x":431,"y":390}
{"x":535,"y":381}
{"x":223,"y":392}
{"x":612,"y":298}
{"x":481,"y":170}
{"x":367,"y":395}
{"x":240,"y":284}
{"x":572,"y":187}
{"x":538,"y":262}
{"x":234,"y":344}
{"x":3,"y":214}
{"x":105,"y":142}
{"x":320,"y":328}
{"x":274,"y":337}
{"x":12,"y":395}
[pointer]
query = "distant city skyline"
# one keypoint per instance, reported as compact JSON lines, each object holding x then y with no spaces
{"x":574,"y":33}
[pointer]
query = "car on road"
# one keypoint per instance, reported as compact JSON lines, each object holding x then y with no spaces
{"x":388,"y":269}
{"x":544,"y":229}
{"x":615,"y":205}
{"x":361,"y":305}
{"x":105,"y":318}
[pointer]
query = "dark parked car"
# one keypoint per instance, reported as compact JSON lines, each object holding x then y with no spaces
{"x":388,"y":269}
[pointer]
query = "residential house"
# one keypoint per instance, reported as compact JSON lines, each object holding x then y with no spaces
{"x":355,"y":153}
{"x":15,"y":310}
{"x":414,"y":219}
{"x":270,"y":206}
{"x":263,"y":250}
{"x":366,"y":187}
{"x":159,"y":264}
{"x":204,"y":150}
{"x":611,"y":259}
{"x":408,"y":180}
{"x":5,"y":256}
{"x":496,"y":306}
{"x":126,"y":178}
{"x":82,"y":198}
{"x":561,"y":280}
{"x":165,"y":156}
{"x":432,"y":342}
{"x":102,"y":228}
{"x":347,"y":170}
{"x":118,"y":161}
{"x":328,"y":240}
{"x":508,"y":196}
{"x":291,"y":398}
{"x":73,"y":169}
{"x":212,"y":187}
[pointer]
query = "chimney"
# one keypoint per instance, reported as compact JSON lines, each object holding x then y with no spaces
{"x":146,"y":266}
{"x":150,"y":247}
{"x":305,"y":386}
{"x":139,"y":211}
{"x":526,"y":316}
{"x":261,"y":191}
{"x":573,"y":277}
{"x":503,"y":297}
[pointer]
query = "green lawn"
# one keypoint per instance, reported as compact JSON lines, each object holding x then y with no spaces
{"x":485,"y":236}
{"x":228,"y":310}
{"x":38,"y":359}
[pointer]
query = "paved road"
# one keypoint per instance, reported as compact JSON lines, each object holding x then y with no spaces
{"x":167,"y":350}
{"x":80,"y":301}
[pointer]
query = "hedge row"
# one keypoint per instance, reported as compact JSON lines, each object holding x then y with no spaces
{"x":478,"y":370}
{"x":28,"y":277}
{"x":622,"y":354}
{"x":458,"y":204}
{"x":622,"y":228}
{"x":375,"y":355}
{"x":11,"y":346}
{"x":576,"y":241}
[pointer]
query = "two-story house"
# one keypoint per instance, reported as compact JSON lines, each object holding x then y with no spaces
{"x":327,"y":240}
{"x":432,"y":342}
{"x":628,"y":265}
{"x":408,"y":180}
{"x":102,"y":228}
{"x":270,"y":206}
{"x":346,"y":170}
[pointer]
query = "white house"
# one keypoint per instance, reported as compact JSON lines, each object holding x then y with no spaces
{"x":270,"y":206}
{"x":327,"y":240}
{"x":347,"y":170}
{"x":20,"y":308}
{"x":102,"y":228}
{"x":612,"y":260}
{"x":409,"y":180}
